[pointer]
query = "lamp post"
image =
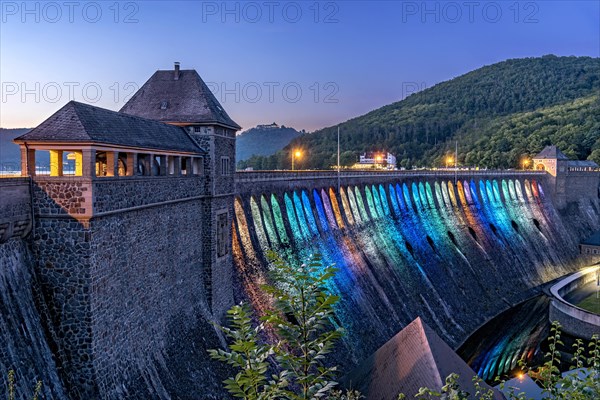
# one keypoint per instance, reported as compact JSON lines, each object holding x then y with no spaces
{"x":525,"y":164}
{"x":338,"y":159}
{"x":295,"y":154}
{"x":378,"y":159}
{"x":449,"y":160}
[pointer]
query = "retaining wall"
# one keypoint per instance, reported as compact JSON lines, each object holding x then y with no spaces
{"x":574,"y":320}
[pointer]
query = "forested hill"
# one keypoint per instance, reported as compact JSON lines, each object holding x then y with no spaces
{"x":498,"y":113}
{"x":263,"y":140}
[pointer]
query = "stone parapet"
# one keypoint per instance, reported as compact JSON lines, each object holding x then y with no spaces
{"x":113,"y":194}
{"x":84,"y":198}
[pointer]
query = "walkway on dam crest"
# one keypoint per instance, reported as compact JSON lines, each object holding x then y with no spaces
{"x":252,"y":182}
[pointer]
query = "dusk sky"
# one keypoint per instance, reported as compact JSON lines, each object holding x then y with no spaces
{"x":302,"y":64}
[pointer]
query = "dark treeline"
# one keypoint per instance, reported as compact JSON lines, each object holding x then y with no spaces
{"x":498,"y":114}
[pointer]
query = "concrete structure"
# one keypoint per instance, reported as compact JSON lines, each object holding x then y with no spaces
{"x":415,"y":357}
{"x":574,"y":320}
{"x":569,"y":179}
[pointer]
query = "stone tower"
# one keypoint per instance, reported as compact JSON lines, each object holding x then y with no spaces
{"x":180,"y":97}
{"x":132,"y":243}
{"x":569,"y":180}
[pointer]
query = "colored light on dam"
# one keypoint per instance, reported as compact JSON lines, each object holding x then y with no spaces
{"x":449,"y":251}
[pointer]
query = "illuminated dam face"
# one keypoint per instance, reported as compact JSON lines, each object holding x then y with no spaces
{"x":455,"y":254}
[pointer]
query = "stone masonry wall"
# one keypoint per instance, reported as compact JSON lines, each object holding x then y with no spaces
{"x":582,"y":185}
{"x":124,"y":280}
{"x":112,"y":194}
{"x":221,"y":187}
{"x":146,"y":296}
{"x":62,"y":196}
{"x":61,"y":246}
{"x":218,"y":278}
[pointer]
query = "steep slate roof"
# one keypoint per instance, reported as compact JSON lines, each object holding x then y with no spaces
{"x":551,"y":152}
{"x":593,"y":240}
{"x":416,"y":357}
{"x":78,"y":122}
{"x":186,"y":99}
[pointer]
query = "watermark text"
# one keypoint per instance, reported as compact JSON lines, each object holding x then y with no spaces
{"x":253,"y":12}
{"x":53,"y":12}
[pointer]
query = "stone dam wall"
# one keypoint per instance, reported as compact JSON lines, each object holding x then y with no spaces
{"x":454,"y":250}
{"x":109,"y":286}
{"x":24,"y":347}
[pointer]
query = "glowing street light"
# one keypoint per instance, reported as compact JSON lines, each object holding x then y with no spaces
{"x":295,"y":154}
{"x":525,"y":163}
{"x":449,"y":161}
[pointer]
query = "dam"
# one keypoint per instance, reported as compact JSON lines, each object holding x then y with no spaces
{"x":113,"y":276}
{"x":454,"y":249}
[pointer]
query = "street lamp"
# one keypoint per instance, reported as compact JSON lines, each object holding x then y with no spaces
{"x":449,"y":160}
{"x":378,"y":159}
{"x":525,"y":163}
{"x":295,"y":154}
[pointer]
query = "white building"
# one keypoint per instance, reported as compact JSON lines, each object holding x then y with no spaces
{"x":383,"y":160}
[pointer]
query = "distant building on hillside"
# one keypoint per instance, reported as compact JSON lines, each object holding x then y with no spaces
{"x":270,"y":126}
{"x":379,"y":160}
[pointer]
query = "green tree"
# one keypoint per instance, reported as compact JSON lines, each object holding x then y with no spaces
{"x":595,"y":156}
{"x":302,"y":320}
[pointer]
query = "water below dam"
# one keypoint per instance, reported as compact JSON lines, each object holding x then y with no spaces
{"x":520,"y":333}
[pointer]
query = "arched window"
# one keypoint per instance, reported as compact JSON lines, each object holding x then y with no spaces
{"x":141,"y":167}
{"x":101,"y":166}
{"x":155,"y":166}
{"x":122,"y":165}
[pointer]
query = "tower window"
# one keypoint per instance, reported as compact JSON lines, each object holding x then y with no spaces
{"x":197,"y":128}
{"x":225,"y":170}
{"x":222,"y":248}
{"x":164,"y":104}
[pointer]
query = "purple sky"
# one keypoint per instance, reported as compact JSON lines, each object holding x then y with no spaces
{"x":301,"y":64}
